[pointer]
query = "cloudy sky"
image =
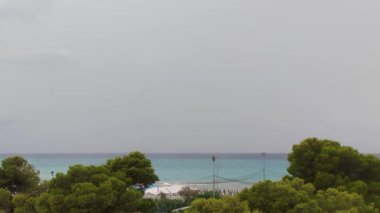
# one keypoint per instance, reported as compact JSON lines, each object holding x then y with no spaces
{"x":188,"y":76}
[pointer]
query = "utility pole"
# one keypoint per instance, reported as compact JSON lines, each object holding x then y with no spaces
{"x":217,"y":175}
{"x":263,"y":154}
{"x":214,"y":176}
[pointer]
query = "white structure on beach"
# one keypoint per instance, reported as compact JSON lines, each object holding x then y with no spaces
{"x":165,"y":188}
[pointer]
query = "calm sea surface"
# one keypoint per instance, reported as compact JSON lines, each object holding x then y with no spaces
{"x":241,"y":169}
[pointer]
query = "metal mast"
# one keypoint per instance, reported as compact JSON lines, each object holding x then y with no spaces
{"x":214,"y":176}
{"x":263,"y":154}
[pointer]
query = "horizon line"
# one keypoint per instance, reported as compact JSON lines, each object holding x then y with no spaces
{"x":147,"y":153}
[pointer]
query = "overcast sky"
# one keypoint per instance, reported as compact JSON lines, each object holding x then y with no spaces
{"x":188,"y":76}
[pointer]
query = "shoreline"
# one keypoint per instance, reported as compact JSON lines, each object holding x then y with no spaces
{"x":171,"y":189}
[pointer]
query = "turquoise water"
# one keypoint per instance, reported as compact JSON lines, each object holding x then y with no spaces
{"x":240,"y":169}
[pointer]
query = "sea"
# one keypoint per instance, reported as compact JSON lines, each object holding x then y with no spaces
{"x":231,"y":170}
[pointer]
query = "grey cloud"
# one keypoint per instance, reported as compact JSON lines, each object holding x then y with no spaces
{"x":4,"y":122}
{"x":42,"y":58}
{"x":24,"y":11}
{"x":189,"y":76}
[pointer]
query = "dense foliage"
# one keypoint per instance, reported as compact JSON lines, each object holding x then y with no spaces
{"x":134,"y":167}
{"x":327,"y":164}
{"x":296,"y":196}
{"x":227,"y":204}
{"x":17,"y":175}
{"x":116,"y":186}
{"x":166,"y":205}
{"x":324,"y":177}
{"x":5,"y":200}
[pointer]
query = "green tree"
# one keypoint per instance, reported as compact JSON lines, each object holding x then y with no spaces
{"x":5,"y":201}
{"x":85,"y":197}
{"x":17,"y":175}
{"x":209,"y":194}
{"x":332,"y":200}
{"x":96,"y":193}
{"x":327,"y":164}
{"x":370,"y":168}
{"x":293,"y":196}
{"x":373,"y":194}
{"x":97,"y":189}
{"x":311,"y":206}
{"x":164,"y":204}
{"x":281,"y":196}
{"x":134,"y":166}
{"x":225,"y":204}
{"x":42,"y":203}
{"x":23,"y":203}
